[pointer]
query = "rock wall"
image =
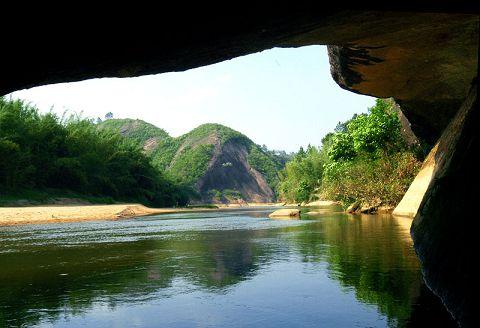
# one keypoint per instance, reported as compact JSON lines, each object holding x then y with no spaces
{"x":398,"y":64}
{"x":238,"y":175}
{"x":422,"y":54}
{"x":434,"y":163}
{"x":442,"y":230}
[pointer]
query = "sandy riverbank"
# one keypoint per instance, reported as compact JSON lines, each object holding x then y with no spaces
{"x":74,"y":213}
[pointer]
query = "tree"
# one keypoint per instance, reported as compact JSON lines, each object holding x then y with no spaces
{"x":342,"y":147}
{"x":379,"y":129}
{"x":109,"y":115}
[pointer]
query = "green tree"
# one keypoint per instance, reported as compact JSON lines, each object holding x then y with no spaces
{"x":379,"y":129}
{"x":301,"y":175}
{"x":341,"y":147}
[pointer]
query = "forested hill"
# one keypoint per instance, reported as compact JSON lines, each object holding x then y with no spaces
{"x":219,"y":163}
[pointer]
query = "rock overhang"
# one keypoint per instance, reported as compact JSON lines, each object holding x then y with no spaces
{"x":423,"y":55}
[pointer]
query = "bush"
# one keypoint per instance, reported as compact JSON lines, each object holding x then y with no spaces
{"x":379,"y":129}
{"x":385,"y":178}
{"x":342,"y":147}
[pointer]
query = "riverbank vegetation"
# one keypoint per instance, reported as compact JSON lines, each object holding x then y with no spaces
{"x":365,"y":159}
{"x":43,"y":152}
{"x":44,"y":157}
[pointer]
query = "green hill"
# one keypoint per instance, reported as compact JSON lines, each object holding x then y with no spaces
{"x":221,"y":164}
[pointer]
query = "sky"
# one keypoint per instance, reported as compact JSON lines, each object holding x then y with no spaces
{"x":283,"y":97}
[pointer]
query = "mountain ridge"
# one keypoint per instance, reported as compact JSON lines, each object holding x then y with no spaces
{"x":220,"y":164}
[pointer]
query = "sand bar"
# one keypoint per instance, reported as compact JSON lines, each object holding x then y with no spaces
{"x":75,"y":213}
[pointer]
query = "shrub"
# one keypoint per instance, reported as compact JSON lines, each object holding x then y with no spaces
{"x":386,"y":178}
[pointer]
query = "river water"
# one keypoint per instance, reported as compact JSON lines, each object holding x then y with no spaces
{"x":216,"y":269}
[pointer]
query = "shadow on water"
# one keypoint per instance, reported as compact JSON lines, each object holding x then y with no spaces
{"x":52,"y":273}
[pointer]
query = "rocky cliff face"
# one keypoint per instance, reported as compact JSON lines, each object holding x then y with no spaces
{"x":216,"y":160}
{"x":443,"y":231}
{"x":440,"y":49}
{"x":229,"y":169}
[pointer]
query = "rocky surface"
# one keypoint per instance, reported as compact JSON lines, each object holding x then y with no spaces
{"x":443,"y":232}
{"x":397,"y":63}
{"x":410,"y":202}
{"x":285,"y":213}
{"x":239,"y":175}
{"x":354,"y":207}
{"x":321,"y":203}
{"x":425,"y":60}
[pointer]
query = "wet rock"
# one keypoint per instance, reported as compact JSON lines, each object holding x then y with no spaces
{"x":354,"y":207}
{"x":285,"y":213}
{"x":370,"y":208}
{"x":321,"y":203}
{"x":385,"y":209}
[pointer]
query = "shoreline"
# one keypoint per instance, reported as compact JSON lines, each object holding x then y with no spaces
{"x":10,"y":216}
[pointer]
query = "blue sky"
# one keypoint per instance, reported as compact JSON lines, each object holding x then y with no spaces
{"x":283,"y":98}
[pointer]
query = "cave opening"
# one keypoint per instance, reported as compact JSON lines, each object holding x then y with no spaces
{"x":426,"y":61}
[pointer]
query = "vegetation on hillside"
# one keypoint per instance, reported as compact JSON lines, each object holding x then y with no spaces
{"x":43,"y":152}
{"x":365,"y":159}
{"x":138,"y":131}
{"x":185,"y":159}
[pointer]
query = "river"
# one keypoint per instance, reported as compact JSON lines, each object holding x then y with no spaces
{"x":216,"y":269}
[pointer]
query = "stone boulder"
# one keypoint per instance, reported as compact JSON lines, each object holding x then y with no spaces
{"x":285,"y":213}
{"x":354,"y":207}
{"x":385,"y":209}
{"x":370,"y":208}
{"x":321,"y":203}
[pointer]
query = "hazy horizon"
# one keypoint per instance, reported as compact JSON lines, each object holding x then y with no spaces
{"x":283,"y":98}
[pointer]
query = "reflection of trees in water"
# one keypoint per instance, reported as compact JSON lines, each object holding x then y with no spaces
{"x":374,"y":256}
{"x":215,"y":259}
{"x":43,"y":284}
{"x":371,"y":255}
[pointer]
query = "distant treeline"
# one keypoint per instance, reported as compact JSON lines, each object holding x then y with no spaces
{"x":43,"y":151}
{"x":365,"y":159}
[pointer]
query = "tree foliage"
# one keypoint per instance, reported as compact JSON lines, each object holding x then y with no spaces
{"x":379,"y":129}
{"x":39,"y":151}
{"x":301,"y":175}
{"x":365,"y":158}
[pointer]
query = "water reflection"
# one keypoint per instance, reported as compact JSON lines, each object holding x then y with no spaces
{"x":54,"y":273}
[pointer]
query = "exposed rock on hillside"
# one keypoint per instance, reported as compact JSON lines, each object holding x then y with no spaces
{"x":229,"y":169}
{"x":222,"y":165}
